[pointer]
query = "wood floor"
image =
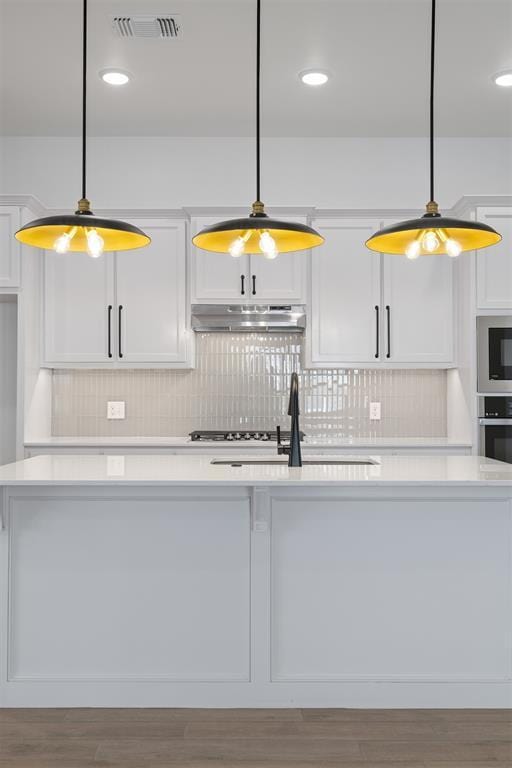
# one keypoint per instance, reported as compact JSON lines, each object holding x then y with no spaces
{"x":264,"y":738}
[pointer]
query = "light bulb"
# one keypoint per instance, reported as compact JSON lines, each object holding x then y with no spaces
{"x":453,"y":247}
{"x":237,"y":247}
{"x":62,"y":243}
{"x":413,"y":250}
{"x":268,"y":245}
{"x":95,"y":243}
{"x":430,"y":241}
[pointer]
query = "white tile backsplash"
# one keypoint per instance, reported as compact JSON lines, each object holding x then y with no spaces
{"x":243,"y":379}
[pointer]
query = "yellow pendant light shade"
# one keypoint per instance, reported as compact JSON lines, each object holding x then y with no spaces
{"x":79,"y":233}
{"x":82,"y":231}
{"x":432,"y":233}
{"x":257,"y":233}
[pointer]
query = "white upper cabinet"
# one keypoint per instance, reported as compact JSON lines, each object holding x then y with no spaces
{"x":494,"y":264}
{"x":218,"y":278}
{"x":369,"y":309}
{"x":418,"y":307}
{"x":10,"y":248}
{"x":151,"y":297}
{"x":345,"y":295}
{"x":122,"y":309}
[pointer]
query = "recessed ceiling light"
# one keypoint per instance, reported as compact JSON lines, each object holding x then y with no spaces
{"x":114,"y":76}
{"x":314,"y":77}
{"x":503,"y":78}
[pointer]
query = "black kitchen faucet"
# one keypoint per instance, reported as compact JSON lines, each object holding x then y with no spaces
{"x":292,"y":450}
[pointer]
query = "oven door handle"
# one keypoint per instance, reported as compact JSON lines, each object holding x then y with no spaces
{"x":495,"y":422}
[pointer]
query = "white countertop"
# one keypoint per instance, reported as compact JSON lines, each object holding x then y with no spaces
{"x":186,"y":442}
{"x":168,"y":470}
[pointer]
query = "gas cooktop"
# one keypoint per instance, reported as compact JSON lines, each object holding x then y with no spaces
{"x":208,"y":436}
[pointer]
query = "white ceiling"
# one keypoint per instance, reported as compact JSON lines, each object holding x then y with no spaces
{"x":203,"y":85}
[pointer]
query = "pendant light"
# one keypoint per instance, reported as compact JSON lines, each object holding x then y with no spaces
{"x":433,"y":233}
{"x":82,"y":231}
{"x":257,"y":233}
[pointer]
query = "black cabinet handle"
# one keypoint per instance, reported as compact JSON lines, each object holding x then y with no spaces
{"x":242,"y":281}
{"x":119,"y":329}
{"x":254,"y":285}
{"x":377,"y":330}
{"x":388,"y":310}
{"x":109,"y":310}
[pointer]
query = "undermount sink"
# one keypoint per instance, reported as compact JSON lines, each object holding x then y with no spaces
{"x":305,"y":462}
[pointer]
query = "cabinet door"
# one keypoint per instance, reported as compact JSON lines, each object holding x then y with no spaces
{"x":280,"y":279}
{"x":10,"y":248}
{"x":494,"y":265}
{"x":369,"y":559}
{"x":217,"y":277}
{"x":151,"y":297}
{"x":419,"y":295}
{"x":163,"y":574}
{"x":78,"y":292}
{"x":345,"y":294}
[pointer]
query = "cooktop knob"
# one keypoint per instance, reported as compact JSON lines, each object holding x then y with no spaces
{"x":238,"y":436}
{"x":265,"y":436}
{"x":229,"y":436}
{"x":247,"y":436}
{"x":257,"y":436}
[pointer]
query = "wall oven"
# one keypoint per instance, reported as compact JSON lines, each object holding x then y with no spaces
{"x":494,"y":354}
{"x":495,"y":419}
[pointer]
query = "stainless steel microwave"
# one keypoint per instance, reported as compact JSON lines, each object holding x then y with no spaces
{"x":494,"y":353}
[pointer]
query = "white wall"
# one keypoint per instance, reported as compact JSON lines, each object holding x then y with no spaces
{"x":8,"y":357}
{"x":327,"y":173}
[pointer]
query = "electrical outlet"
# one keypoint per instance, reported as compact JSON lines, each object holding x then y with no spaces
{"x":115,"y":409}
{"x":375,"y":411}
{"x":115,"y":466}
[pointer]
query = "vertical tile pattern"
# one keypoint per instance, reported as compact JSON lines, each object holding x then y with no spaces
{"x":243,"y":380}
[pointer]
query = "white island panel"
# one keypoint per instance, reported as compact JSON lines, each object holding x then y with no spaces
{"x":129,"y":589}
{"x":396,"y":590}
{"x":169,"y":581}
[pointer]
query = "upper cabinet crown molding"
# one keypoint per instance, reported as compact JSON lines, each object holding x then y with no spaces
{"x":129,"y":214}
{"x":226,"y":212}
{"x":32,"y":203}
{"x":468,"y":204}
{"x":363,"y":214}
{"x":146,"y":213}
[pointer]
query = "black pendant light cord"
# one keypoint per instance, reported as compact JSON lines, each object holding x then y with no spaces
{"x":258,"y":68}
{"x":432,"y":70}
{"x":84,"y":98}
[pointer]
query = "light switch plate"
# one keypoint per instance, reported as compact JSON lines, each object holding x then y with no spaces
{"x":115,"y":409}
{"x":374,"y":411}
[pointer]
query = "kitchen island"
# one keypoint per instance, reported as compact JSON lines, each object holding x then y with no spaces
{"x":163,"y":580}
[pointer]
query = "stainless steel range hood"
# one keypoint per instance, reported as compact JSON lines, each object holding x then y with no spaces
{"x":237,"y":318}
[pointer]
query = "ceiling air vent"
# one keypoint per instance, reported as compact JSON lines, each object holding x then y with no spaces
{"x":168,"y":27}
